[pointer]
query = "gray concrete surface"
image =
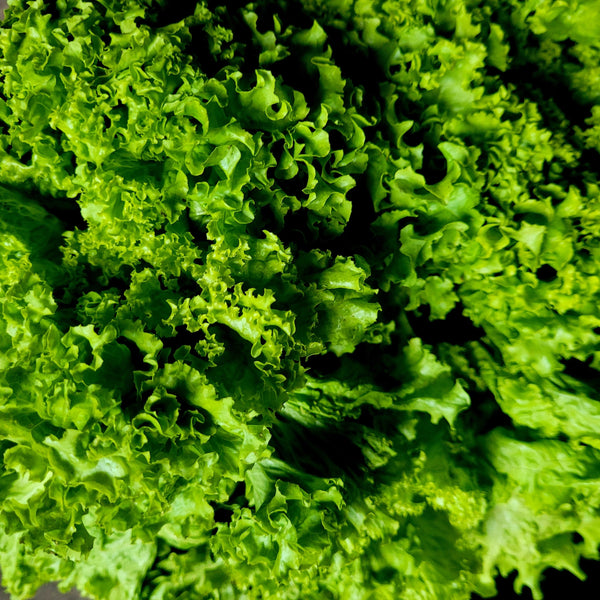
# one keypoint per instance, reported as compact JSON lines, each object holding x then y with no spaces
{"x":47,"y":592}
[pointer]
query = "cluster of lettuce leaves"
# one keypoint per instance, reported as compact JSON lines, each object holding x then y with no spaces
{"x":298,"y":300}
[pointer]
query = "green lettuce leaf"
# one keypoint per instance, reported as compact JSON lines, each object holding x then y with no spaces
{"x":298,"y":300}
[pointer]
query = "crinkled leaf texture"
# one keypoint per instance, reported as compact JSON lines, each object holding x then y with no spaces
{"x":298,"y":300}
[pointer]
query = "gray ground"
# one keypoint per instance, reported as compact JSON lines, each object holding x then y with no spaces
{"x":48,"y":592}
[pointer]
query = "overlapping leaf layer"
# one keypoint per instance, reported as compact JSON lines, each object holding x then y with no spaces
{"x":299,"y":300}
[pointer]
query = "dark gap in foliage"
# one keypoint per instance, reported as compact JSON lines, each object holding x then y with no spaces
{"x":294,"y":11}
{"x":530,"y":218}
{"x":143,"y":264}
{"x":230,"y":6}
{"x":223,"y":512}
{"x":106,"y":41}
{"x":97,"y":279}
{"x":371,"y":363}
{"x":414,"y":136}
{"x":337,"y":140}
{"x":136,"y":355}
{"x":317,"y":450}
{"x":66,"y":210}
{"x":266,"y":219}
{"x":381,"y":375}
{"x":119,"y":282}
{"x":511,"y":117}
{"x":199,"y":48}
{"x":454,"y":328}
{"x":546,"y":273}
{"x":301,"y":228}
{"x":235,"y":370}
{"x":187,"y":285}
{"x":359,"y":65}
{"x":72,"y":165}
{"x":576,"y":537}
{"x":167,"y":13}
{"x":424,"y":224}
{"x":390,"y":311}
{"x":199,"y":232}
{"x":560,"y":103}
{"x":183,"y":337}
{"x":484,"y":414}
{"x":297,"y":232}
{"x":65,"y":301}
{"x":385,"y":575}
{"x":277,"y":149}
{"x":195,"y":227}
{"x":588,"y":168}
{"x":40,"y":431}
{"x":397,"y":68}
{"x":119,"y":115}
{"x":158,"y":568}
{"x":369,"y":416}
{"x":444,"y":30}
{"x":295,"y":185}
{"x":52,"y":9}
{"x":26,"y":157}
{"x":50,"y":251}
{"x":204,"y":52}
{"x":380,"y":361}
{"x":193,"y":418}
{"x":4,"y":446}
{"x":186,"y":411}
{"x":432,"y":63}
{"x":357,"y":237}
{"x":555,"y":582}
{"x":86,"y":278}
{"x":583,"y":372}
{"x":131,"y":401}
{"x":172,"y":550}
{"x":567,"y":45}
{"x":238,"y":496}
{"x":506,"y":590}
{"x":435,"y":166}
{"x":551,"y":94}
{"x":323,"y":365}
{"x":585,"y":253}
{"x":388,"y":422}
{"x":294,"y":73}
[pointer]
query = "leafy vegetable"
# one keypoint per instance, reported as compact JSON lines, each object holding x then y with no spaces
{"x":298,"y":299}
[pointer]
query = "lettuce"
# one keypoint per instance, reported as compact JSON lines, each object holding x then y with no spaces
{"x":298,"y":299}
